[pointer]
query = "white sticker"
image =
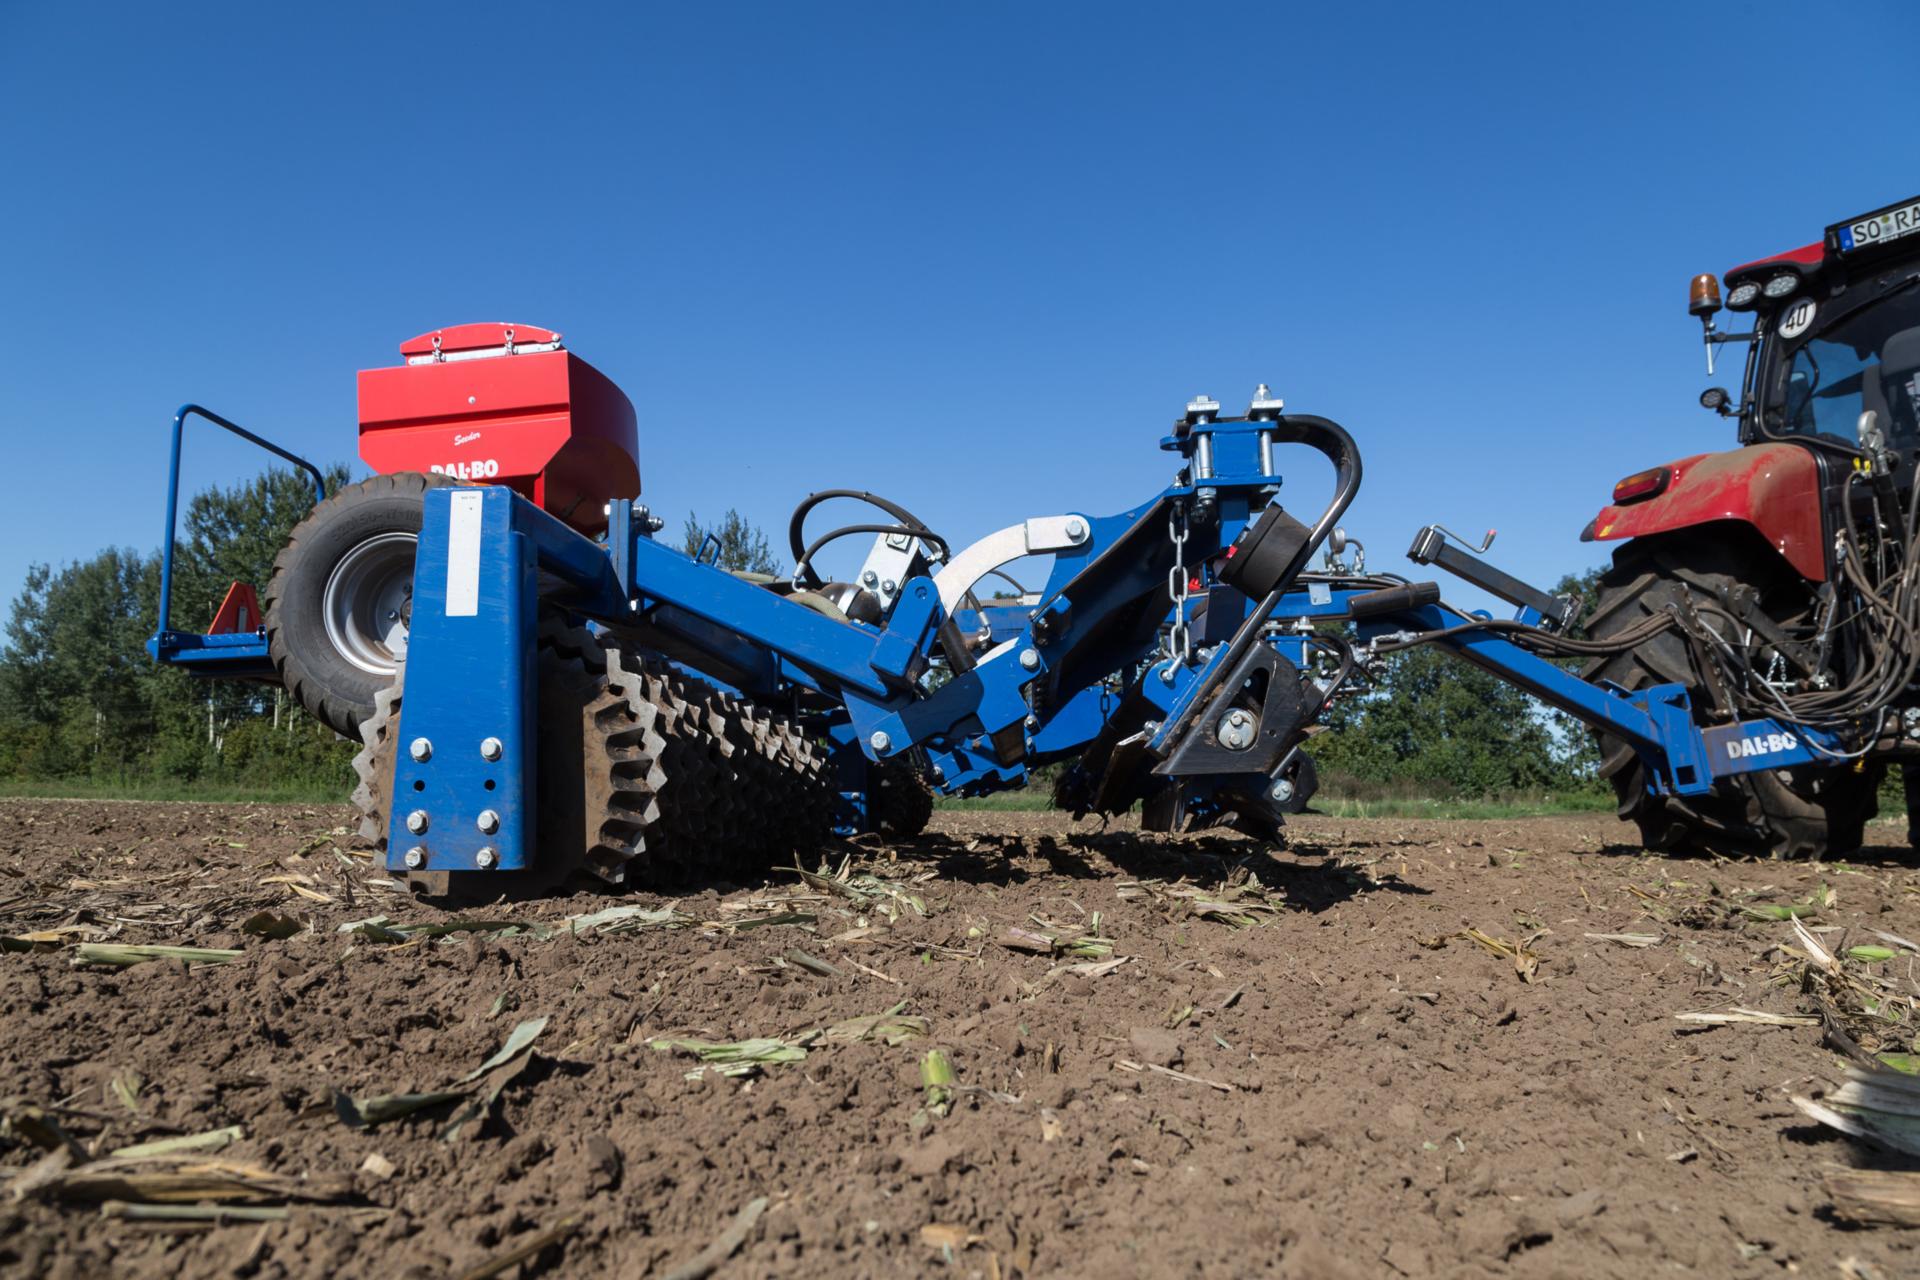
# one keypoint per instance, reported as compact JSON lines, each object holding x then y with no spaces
{"x":463,"y":555}
{"x":1798,"y":320}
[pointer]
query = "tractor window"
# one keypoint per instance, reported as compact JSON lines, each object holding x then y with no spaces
{"x":1868,"y":359}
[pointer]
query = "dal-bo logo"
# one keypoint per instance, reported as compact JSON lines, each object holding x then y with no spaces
{"x":484,"y":469}
{"x":1761,"y":744}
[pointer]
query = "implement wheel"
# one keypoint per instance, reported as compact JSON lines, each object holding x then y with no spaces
{"x":1803,"y":812}
{"x":341,"y":596}
{"x":902,"y":802}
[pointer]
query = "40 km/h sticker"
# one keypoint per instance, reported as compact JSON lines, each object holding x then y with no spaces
{"x":484,"y":469}
{"x":1798,"y":320}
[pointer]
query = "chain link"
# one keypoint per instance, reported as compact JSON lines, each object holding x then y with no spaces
{"x":1179,"y":638}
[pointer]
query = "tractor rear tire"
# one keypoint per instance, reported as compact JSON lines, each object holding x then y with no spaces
{"x":339,"y":600}
{"x":1782,"y":813}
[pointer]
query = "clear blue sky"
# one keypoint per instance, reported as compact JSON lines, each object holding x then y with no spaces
{"x":972,"y":256}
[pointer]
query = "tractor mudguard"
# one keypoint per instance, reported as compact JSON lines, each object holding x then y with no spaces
{"x":1775,"y":488}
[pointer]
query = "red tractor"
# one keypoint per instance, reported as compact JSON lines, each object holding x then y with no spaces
{"x":1789,"y":562}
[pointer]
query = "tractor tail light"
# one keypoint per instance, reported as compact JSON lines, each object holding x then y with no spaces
{"x":1642,"y":485}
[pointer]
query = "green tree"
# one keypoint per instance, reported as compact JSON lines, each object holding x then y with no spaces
{"x":80,"y":696}
{"x":233,"y":534}
{"x":1435,"y":723}
{"x":743,"y":547}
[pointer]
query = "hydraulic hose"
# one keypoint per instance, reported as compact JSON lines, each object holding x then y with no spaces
{"x":804,"y":565}
{"x":796,"y":528}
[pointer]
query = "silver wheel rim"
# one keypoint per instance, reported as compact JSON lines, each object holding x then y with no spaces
{"x":365,"y":603}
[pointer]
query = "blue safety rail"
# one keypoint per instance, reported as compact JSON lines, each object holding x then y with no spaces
{"x":240,"y":654}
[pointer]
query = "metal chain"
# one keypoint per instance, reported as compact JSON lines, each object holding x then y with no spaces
{"x":1179,"y":638}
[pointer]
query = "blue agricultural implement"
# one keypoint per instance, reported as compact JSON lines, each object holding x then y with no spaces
{"x":543,"y":689}
{"x":546,"y":689}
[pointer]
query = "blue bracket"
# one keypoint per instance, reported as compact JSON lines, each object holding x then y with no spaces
{"x":464,"y":769}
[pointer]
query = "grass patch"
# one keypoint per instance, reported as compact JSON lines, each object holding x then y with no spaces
{"x":1519,"y":806}
{"x":1390,"y":805}
{"x":1005,"y":802}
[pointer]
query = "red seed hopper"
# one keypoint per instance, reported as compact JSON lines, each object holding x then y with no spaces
{"x":504,"y":404}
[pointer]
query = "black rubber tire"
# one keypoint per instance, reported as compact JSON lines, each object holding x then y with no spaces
{"x":334,"y":690}
{"x":1783,"y":813}
{"x":901,"y":799}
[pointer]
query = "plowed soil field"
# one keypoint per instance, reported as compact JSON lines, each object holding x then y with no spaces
{"x":1390,"y":1048}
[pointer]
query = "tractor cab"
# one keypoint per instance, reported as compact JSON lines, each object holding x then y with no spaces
{"x":1830,"y":395}
{"x":1834,"y":353}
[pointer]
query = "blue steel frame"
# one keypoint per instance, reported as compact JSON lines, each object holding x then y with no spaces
{"x":236,"y":655}
{"x":485,"y":556}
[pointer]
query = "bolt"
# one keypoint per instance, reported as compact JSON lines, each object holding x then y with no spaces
{"x":486,"y":859}
{"x":488,"y":822}
{"x":880,"y":742}
{"x":1282,"y":791}
{"x":871,"y":578}
{"x":490,"y":749}
{"x":1033,"y":722}
{"x":421,"y":750}
{"x":1030,"y":659}
{"x":1236,"y":730}
{"x":888,"y":587}
{"x":417,"y":821}
{"x":416,"y":858}
{"x":1077,"y":530}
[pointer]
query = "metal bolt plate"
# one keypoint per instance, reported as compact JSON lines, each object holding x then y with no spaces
{"x":1237,"y":730}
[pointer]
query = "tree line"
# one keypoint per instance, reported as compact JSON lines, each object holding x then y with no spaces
{"x":81,"y":700}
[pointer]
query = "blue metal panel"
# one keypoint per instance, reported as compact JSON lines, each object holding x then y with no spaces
{"x":235,"y":655}
{"x":470,"y":677}
{"x":1766,"y":744}
{"x":837,"y":654}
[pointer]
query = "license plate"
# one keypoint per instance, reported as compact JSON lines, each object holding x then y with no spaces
{"x":1879,"y":228}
